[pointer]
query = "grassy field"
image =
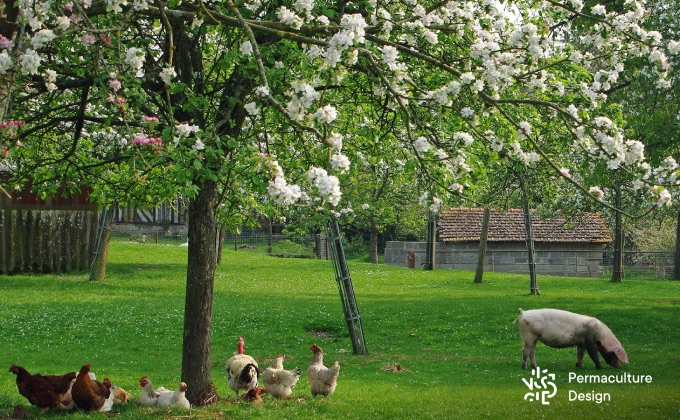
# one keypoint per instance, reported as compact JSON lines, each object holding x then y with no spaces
{"x":439,"y":345}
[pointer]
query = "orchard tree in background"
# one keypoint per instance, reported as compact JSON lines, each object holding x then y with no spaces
{"x":379,"y":186}
{"x":221,"y":102}
{"x":649,"y":110}
{"x":653,"y":112}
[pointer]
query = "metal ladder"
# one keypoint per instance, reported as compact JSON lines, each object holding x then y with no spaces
{"x":98,"y":240}
{"x":345,"y":288}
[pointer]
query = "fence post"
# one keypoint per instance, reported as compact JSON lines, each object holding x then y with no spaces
{"x":431,"y":240}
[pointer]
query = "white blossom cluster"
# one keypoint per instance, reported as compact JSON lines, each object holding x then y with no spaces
{"x":528,"y":158}
{"x":666,"y":173}
{"x":326,"y":114}
{"x":596,"y":192}
{"x":185,"y":130}
{"x":432,"y":203}
{"x":252,"y":109}
{"x":505,"y":51}
{"x":352,"y":32}
{"x":444,"y":95}
{"x":106,"y":136}
{"x":661,"y":196}
{"x":339,"y":162}
{"x":300,"y":15}
{"x":301,"y":99}
{"x":606,"y":141}
{"x":458,"y":166}
{"x":421,"y":145}
{"x":327,"y":186}
{"x":134,"y":57}
{"x":463,"y":137}
{"x":279,"y":190}
{"x":167,"y":74}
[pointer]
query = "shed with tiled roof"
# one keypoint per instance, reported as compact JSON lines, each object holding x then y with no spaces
{"x":465,"y":225}
{"x":562,"y":247}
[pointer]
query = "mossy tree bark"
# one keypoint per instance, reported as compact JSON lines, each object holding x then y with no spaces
{"x":198,"y":306}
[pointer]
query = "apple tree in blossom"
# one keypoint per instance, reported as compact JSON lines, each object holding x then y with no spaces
{"x":224,"y":102}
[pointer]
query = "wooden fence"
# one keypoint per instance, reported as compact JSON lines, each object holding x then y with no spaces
{"x":53,"y":235}
{"x":46,"y":241}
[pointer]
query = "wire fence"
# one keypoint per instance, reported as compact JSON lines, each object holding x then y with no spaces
{"x":637,"y":264}
{"x":642,"y":264}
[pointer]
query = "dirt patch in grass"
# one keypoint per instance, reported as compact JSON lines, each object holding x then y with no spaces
{"x":457,"y":356}
{"x":320,"y":333}
{"x":395,"y":368}
{"x":670,"y":302}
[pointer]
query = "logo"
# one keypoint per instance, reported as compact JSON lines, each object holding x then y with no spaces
{"x":541,"y":386}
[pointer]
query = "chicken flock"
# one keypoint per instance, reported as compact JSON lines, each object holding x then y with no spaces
{"x":244,"y":374}
{"x":83,"y":391}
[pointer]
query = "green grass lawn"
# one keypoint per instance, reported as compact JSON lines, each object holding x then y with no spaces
{"x":439,"y":345}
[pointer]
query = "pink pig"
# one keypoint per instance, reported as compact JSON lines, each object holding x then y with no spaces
{"x":559,"y":329}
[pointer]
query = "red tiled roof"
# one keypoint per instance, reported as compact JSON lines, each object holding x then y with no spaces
{"x":465,"y":225}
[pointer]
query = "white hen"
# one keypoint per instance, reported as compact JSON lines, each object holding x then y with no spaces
{"x":150,"y":396}
{"x":278,"y":381}
{"x":242,"y":370}
{"x":179,"y":399}
{"x":322,"y":380}
{"x":174,"y":399}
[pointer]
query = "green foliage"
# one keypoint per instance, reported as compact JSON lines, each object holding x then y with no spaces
{"x":290,"y":249}
{"x":355,"y":245}
{"x":439,"y":345}
{"x":657,"y":234}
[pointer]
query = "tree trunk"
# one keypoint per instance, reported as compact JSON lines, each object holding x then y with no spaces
{"x":98,"y":271}
{"x":270,"y":236}
{"x":531,"y":252}
{"x":373,"y":242}
{"x":221,"y":234}
{"x":617,"y":269}
{"x":676,"y":258}
{"x":431,"y":241}
{"x":479,"y":274}
{"x":199,"y":297}
{"x":8,"y":27}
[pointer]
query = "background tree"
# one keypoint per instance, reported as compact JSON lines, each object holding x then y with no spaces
{"x":653,"y":111}
{"x":380,"y":188}
{"x":649,"y":111}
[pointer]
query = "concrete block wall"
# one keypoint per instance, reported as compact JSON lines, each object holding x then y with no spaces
{"x":576,"y":260}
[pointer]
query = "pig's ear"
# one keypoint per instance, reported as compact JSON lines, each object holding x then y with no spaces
{"x":613,"y":346}
{"x":621,"y":354}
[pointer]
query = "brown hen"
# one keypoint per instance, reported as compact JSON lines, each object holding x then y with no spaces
{"x":43,"y":391}
{"x":88,"y":393}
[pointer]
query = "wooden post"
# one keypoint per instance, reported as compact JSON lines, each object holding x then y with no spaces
{"x":431,"y":240}
{"x":676,"y":258}
{"x":479,"y":274}
{"x":617,"y":269}
{"x":533,"y":286}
